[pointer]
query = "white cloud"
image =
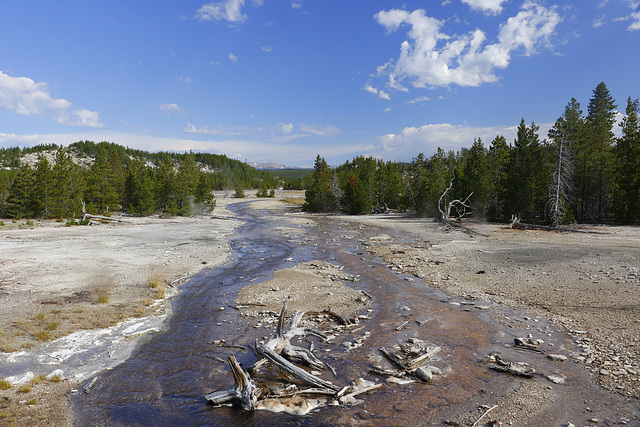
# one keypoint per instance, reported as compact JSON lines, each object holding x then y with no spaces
{"x":213,"y":130}
{"x":226,"y":10}
{"x":302,"y":153}
{"x":319,"y":130}
{"x":493,"y":7}
{"x":419,"y":100}
{"x":172,"y":109}
{"x":26,"y":97}
{"x":426,"y":139}
{"x":186,"y":80}
{"x":432,"y":58}
{"x":287,"y":129}
{"x":266,"y":49}
{"x":233,"y":58}
{"x":635,"y":25}
{"x":296,"y":5}
{"x":382,"y":94}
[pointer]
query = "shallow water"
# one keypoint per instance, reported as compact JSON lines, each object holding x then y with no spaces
{"x":165,"y":380}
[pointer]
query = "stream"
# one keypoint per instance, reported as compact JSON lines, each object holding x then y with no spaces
{"x":165,"y":380}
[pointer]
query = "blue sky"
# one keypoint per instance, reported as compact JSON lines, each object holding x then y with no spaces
{"x":285,"y":80}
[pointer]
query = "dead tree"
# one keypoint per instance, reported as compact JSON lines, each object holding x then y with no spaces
{"x":279,"y":351}
{"x":460,"y":206}
{"x":561,"y":186}
{"x":244,"y":391}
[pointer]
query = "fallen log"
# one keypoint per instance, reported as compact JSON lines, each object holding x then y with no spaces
{"x":294,"y":370}
{"x":513,"y":368}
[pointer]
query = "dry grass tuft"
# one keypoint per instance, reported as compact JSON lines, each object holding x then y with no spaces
{"x":4,"y":384}
{"x":298,"y":201}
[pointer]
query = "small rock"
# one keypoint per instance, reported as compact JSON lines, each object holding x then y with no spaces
{"x":604,"y":372}
{"x":556,"y":379}
{"x":557,"y":357}
{"x":221,"y":309}
{"x":619,"y":372}
{"x":424,"y":374}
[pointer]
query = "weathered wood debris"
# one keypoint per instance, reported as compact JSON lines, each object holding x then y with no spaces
{"x":408,"y":360}
{"x":520,"y":369}
{"x":282,"y":354}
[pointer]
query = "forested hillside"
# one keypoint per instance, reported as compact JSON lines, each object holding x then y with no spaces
{"x":581,"y":172}
{"x":108,"y":177}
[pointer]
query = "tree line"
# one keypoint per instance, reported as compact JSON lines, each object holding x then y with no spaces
{"x":581,"y":172}
{"x":118,"y":179}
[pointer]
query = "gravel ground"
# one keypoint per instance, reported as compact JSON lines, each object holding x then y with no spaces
{"x":587,"y":283}
{"x":53,"y":279}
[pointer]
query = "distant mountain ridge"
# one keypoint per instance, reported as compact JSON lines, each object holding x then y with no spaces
{"x":271,"y":166}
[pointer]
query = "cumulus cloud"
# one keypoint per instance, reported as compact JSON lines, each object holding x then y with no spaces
{"x":172,"y":109}
{"x":493,"y":7}
{"x":26,"y":97}
{"x":233,"y":58}
{"x":429,"y":137}
{"x":432,"y":58}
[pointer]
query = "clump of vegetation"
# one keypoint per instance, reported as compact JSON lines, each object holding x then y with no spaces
{"x":24,"y":389}
{"x":239,"y":194}
{"x":103,"y":296}
{"x":4,"y":384}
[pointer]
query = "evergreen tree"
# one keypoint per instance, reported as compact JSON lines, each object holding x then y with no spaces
{"x":204,"y":191}
{"x":67,"y":187}
{"x":165,"y":187}
{"x":497,"y":161}
{"x":475,"y":177}
{"x":101,"y":193}
{"x":19,"y":199}
{"x":593,"y":156}
{"x":185,"y":183}
{"x":527,"y":176}
{"x":138,"y":198}
{"x":626,"y":196}
{"x":318,"y":196}
{"x":41,"y":196}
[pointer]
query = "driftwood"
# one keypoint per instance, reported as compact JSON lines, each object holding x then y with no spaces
{"x":513,"y":368}
{"x":244,"y":390}
{"x":409,"y":367}
{"x":279,"y":351}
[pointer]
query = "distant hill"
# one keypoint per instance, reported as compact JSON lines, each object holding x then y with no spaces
{"x":272,"y":166}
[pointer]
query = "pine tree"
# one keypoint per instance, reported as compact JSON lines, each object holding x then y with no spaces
{"x":41,"y":196}
{"x":138,"y":198}
{"x":67,"y":187}
{"x":19,"y":199}
{"x":593,"y":156}
{"x":165,"y":187}
{"x":318,"y":196}
{"x":526,"y":178}
{"x":626,"y":152}
{"x":185,"y":183}
{"x":497,"y":161}
{"x":475,"y":177}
